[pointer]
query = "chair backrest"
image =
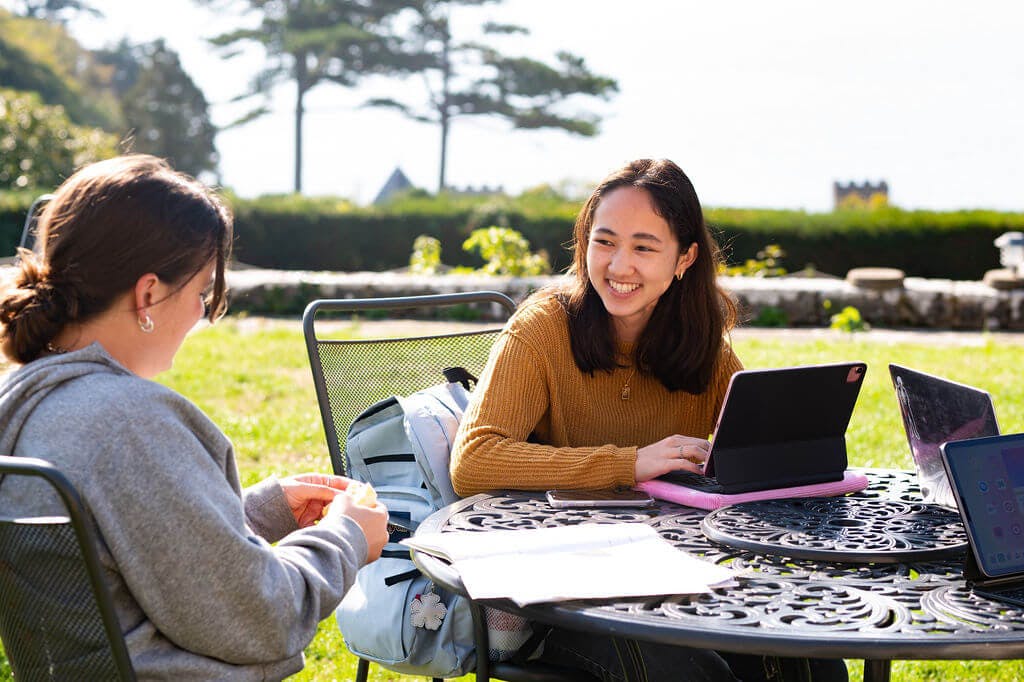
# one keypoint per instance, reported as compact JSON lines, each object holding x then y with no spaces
{"x":57,"y":621}
{"x":352,"y":374}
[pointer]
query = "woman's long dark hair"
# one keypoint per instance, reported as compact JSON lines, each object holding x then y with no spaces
{"x":683,"y":338}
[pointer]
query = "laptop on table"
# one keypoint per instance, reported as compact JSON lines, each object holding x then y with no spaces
{"x":987,"y":479}
{"x":780,"y":428}
{"x":935,"y":410}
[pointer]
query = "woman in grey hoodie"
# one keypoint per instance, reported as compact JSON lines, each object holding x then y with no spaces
{"x":132,"y":256}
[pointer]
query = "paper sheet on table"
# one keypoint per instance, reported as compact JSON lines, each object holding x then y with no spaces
{"x":571,"y":562}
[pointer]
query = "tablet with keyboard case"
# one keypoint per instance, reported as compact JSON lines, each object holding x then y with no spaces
{"x":780,"y":428}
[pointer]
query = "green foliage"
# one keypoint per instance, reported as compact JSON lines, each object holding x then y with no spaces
{"x":770,"y":316}
{"x":768,"y":263}
{"x":138,"y":92}
{"x":296,"y":204}
{"x":473,"y":78}
{"x":506,"y":252}
{"x":426,"y":255}
{"x":292,"y":231}
{"x":921,"y":243}
{"x":165,"y":113}
{"x":39,"y":146}
{"x":848,"y":319}
{"x":39,"y":56}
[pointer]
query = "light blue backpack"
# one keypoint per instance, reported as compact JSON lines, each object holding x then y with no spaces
{"x":394,"y":615}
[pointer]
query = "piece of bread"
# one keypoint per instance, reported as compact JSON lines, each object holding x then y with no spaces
{"x":362,"y":493}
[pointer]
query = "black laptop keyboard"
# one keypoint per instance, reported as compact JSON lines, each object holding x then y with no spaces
{"x":1015,"y":594}
{"x":691,"y":480}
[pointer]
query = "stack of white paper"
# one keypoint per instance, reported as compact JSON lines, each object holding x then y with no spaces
{"x":571,"y":562}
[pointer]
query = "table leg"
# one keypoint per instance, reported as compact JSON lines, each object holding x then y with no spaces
{"x":876,"y":670}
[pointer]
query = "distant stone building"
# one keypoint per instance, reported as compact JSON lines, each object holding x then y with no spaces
{"x":866,"y":194}
{"x":395,"y":184}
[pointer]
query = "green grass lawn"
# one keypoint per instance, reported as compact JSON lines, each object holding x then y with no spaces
{"x":254,"y":381}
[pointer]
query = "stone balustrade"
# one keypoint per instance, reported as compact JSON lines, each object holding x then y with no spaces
{"x":796,"y":301}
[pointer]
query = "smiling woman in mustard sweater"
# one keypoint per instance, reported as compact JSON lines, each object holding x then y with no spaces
{"x":613,"y":378}
{"x":617,"y":376}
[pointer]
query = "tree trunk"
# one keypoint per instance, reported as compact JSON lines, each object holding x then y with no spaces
{"x":300,"y":93}
{"x":444,"y":149}
{"x":298,"y":139}
{"x":445,"y":118}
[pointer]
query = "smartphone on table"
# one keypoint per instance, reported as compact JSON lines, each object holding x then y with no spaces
{"x":608,"y":497}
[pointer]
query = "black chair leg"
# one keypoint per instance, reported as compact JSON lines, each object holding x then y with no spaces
{"x":362,"y":670}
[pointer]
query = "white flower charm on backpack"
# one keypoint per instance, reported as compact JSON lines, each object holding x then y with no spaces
{"x":427,"y":611}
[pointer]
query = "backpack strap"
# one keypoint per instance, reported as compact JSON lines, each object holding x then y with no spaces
{"x":402,"y":577}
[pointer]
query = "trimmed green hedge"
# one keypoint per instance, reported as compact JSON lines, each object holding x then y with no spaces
{"x":945,"y":245}
{"x":291,"y":232}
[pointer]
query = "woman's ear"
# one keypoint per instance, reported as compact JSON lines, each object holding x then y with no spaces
{"x":686,"y":259}
{"x":146,"y":291}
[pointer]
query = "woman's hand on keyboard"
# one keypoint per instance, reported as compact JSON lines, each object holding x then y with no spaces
{"x":675,"y":453}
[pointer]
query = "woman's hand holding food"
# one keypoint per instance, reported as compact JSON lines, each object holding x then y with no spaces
{"x":359,"y":502}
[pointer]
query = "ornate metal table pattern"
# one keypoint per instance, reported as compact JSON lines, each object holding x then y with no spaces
{"x":783,"y":605}
{"x":847,"y":529}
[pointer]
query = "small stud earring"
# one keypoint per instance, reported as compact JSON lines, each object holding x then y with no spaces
{"x":146,"y":323}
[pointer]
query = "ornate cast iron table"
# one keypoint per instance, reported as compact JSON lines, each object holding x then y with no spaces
{"x":852,"y":601}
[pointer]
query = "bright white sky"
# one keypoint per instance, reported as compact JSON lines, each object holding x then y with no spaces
{"x":762,"y":103}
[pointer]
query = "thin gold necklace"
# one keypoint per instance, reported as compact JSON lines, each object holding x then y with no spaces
{"x":624,"y":394}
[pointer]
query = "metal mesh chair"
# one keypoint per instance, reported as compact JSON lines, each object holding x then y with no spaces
{"x":57,"y":621}
{"x":352,"y":374}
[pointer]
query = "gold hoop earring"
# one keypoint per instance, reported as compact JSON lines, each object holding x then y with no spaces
{"x":679,"y":275}
{"x":146,"y":323}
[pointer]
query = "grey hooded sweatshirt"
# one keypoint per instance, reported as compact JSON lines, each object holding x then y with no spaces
{"x":198,"y":589}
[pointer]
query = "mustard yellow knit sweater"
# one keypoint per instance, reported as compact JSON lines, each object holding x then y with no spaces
{"x":537,"y":422}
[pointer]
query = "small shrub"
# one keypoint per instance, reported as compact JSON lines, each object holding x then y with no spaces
{"x":848,"y":319}
{"x":506,"y":252}
{"x":426,"y":255}
{"x":767,"y":264}
{"x":770,"y":316}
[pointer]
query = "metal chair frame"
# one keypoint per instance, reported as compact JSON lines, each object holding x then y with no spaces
{"x":328,"y":412}
{"x":78,"y":519}
{"x":509,"y":671}
{"x":28,"y":236}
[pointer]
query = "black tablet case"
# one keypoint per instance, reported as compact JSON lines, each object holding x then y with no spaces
{"x":785,"y":427}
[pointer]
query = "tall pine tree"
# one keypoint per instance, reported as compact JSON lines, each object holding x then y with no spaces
{"x":309,"y":42}
{"x":466,"y":78}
